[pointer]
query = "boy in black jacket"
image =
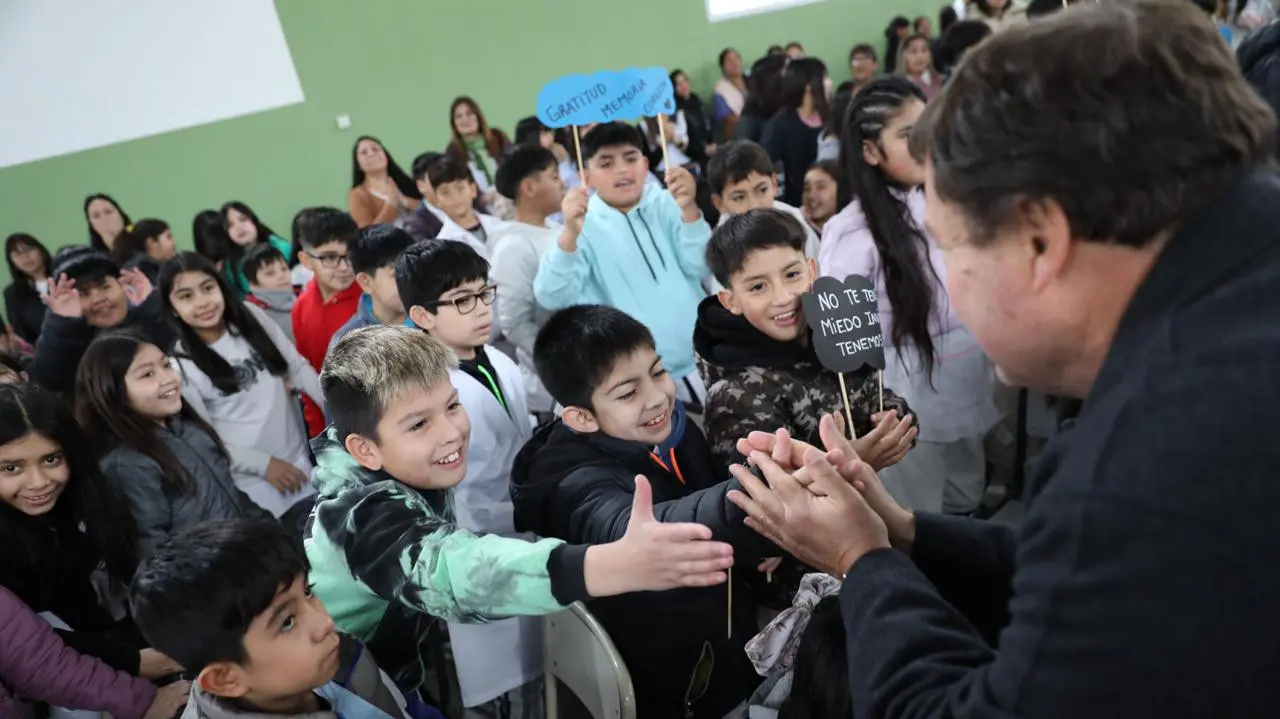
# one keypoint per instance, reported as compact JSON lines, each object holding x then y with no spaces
{"x":89,"y":293}
{"x":574,"y":481}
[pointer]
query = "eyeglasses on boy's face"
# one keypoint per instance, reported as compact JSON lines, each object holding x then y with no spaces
{"x":330,"y":260}
{"x":465,"y":304}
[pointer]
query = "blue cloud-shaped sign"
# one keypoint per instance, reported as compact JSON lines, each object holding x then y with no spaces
{"x":606,"y":96}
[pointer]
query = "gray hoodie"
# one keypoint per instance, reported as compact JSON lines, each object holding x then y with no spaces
{"x":278,"y":304}
{"x":210,"y":492}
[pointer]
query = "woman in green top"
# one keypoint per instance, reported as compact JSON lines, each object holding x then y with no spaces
{"x":245,"y":230}
{"x":475,"y":144}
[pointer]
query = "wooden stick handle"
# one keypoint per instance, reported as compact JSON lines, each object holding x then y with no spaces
{"x":881,"y":373}
{"x":577,"y":147}
{"x":730,"y":583}
{"x":848,"y":411}
{"x":662,"y":135}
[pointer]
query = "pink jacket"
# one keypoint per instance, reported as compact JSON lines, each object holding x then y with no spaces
{"x":37,"y":666}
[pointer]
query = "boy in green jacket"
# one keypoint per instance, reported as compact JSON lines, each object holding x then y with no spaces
{"x":387,"y":557}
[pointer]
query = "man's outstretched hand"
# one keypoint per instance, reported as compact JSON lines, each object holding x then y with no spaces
{"x":654,"y":556}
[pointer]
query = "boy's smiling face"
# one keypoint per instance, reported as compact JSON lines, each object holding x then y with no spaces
{"x":766,"y":291}
{"x":633,"y":403}
{"x":292,"y":649}
{"x":754,"y":192}
{"x":617,"y":175}
{"x":331,"y":265}
{"x":422,"y":438}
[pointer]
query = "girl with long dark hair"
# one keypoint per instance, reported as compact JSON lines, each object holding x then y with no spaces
{"x":210,"y":236}
{"x":144,"y":246}
{"x":29,"y":269}
{"x":931,"y":358}
{"x":380,"y":190}
{"x":894,"y":34}
{"x":764,"y":97}
{"x":476,"y":145}
{"x":244,"y":230}
{"x":791,"y":136}
{"x":169,"y":463}
{"x":237,"y":369}
{"x":106,"y":221}
{"x":65,"y":528}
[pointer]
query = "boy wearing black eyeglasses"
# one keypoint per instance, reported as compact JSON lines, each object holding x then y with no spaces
{"x":446,"y":291}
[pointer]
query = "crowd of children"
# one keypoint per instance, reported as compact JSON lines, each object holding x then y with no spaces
{"x":292,"y":471}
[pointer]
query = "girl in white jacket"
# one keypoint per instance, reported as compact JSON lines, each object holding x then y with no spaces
{"x":931,"y":359}
{"x":239,"y":373}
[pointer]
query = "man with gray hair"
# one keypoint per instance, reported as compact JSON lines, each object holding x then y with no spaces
{"x":1101,"y":184}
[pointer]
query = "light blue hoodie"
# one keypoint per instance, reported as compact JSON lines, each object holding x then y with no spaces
{"x":647,"y":262}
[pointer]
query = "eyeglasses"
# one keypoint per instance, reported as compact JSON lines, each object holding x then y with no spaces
{"x":330,"y":261}
{"x":465,"y":304}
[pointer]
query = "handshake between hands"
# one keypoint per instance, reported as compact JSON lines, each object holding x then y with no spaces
{"x":827,"y":508}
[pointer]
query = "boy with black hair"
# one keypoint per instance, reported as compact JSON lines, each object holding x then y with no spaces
{"x":388,"y":556}
{"x":330,"y":298}
{"x":455,"y":193}
{"x":426,"y":221}
{"x":573,"y":481}
{"x":863,"y":65}
{"x":742,"y":178}
{"x":89,"y":293}
{"x":631,"y":246}
{"x":756,"y":357}
{"x":231,"y":602}
{"x":373,"y":258}
{"x":270,"y":284}
{"x":531,"y":179}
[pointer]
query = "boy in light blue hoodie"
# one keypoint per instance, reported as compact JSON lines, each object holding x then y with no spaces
{"x":636,"y":248}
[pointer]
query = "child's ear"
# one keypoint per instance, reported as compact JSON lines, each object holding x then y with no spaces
{"x":773,"y":180}
{"x":729,"y":301}
{"x":718,"y":201}
{"x":364,"y":451}
{"x":365,"y":281}
{"x":422,"y":318}
{"x":580,"y":419}
{"x":813,"y":269}
{"x":223,"y":679}
{"x":871,"y":153}
{"x":304,"y":256}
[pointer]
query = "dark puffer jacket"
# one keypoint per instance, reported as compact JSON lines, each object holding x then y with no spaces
{"x":159,"y":512}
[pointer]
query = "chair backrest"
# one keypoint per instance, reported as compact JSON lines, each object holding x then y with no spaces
{"x":580,"y":654}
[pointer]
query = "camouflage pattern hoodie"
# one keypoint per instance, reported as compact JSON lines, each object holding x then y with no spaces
{"x":388,"y":560}
{"x":755,"y":382}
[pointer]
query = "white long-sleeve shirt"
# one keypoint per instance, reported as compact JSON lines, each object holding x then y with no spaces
{"x":263,"y":419}
{"x":516,"y":253}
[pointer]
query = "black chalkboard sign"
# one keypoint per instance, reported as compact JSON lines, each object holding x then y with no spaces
{"x":845,"y":320}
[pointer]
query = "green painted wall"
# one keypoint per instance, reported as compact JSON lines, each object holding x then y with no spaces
{"x":394,"y":66}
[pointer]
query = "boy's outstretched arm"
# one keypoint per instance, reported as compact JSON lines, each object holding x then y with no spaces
{"x":405,"y":555}
{"x":600,"y":498}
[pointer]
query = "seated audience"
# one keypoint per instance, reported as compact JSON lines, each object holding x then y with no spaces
{"x":37,"y":666}
{"x":575,"y":481}
{"x":70,"y":540}
{"x":373,"y":255}
{"x":821,"y":194}
{"x":791,"y":136}
{"x":144,"y":246}
{"x":380,"y":190}
{"x":730,"y":92}
{"x":455,"y":192}
{"x":29,"y":272}
{"x":106,"y":221}
{"x":170,"y":464}
{"x":330,"y":298}
{"x":531,"y":179}
{"x":635,"y":247}
{"x":271,"y":286}
{"x":232,"y":601}
{"x":445,"y":287}
{"x":756,"y":355}
{"x":917,"y":66}
{"x":386,"y":552}
{"x":476,"y":146}
{"x":239,"y":373}
{"x":90,"y":293}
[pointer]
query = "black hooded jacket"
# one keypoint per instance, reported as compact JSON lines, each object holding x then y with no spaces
{"x":1259,"y":59}
{"x":579,"y":488}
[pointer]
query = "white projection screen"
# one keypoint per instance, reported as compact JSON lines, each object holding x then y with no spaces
{"x":79,"y":74}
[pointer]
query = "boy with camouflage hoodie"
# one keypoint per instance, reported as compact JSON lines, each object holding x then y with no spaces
{"x":387,"y":557}
{"x":754,"y":353}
